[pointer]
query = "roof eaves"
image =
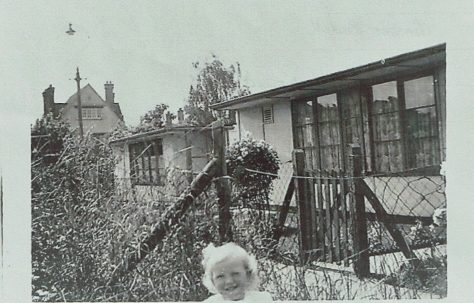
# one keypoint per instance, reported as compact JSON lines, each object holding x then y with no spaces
{"x":154,"y":133}
{"x":331,"y":77}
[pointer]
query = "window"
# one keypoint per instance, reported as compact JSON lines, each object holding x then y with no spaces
{"x":386,"y":129}
{"x":329,"y":135}
{"x":395,"y":123}
{"x":304,"y":133}
{"x":267,"y":113}
{"x":91,"y":113}
{"x":146,"y":163}
{"x":318,"y":132}
{"x":405,"y":130}
{"x":421,"y":126}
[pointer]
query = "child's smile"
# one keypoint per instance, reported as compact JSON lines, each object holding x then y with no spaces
{"x":230,"y":279}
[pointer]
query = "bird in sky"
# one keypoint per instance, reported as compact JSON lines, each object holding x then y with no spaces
{"x":70,"y":31}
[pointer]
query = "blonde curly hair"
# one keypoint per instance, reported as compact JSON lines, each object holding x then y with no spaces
{"x":213,"y":255}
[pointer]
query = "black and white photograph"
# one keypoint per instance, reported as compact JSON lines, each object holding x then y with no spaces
{"x":253,"y":151}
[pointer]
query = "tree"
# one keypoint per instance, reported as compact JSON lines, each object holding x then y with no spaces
{"x":153,"y":119}
{"x":215,"y":83}
{"x":47,"y":138}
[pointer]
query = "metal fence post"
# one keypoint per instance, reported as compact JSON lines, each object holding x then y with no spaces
{"x":359,"y":230}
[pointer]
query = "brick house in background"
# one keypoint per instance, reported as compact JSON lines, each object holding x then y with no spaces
{"x":99,"y":116}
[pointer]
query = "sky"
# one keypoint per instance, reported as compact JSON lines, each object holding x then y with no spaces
{"x":146,"y":48}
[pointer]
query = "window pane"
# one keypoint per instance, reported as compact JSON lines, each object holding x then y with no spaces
{"x":329,"y":132}
{"x":385,"y":97}
{"x":421,"y":123}
{"x":327,"y":108}
{"x":419,"y":92}
{"x":144,"y":162}
{"x":89,"y":113}
{"x":304,"y":113}
{"x":386,"y":128}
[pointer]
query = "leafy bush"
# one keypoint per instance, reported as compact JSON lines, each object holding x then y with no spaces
{"x":253,"y":165}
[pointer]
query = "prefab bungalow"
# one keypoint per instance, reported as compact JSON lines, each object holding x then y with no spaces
{"x":146,"y":160}
{"x":392,"y":112}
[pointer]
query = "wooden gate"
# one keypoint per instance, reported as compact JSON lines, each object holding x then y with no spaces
{"x":330,"y":210}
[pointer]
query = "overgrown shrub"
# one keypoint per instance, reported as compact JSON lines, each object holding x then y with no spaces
{"x":428,"y":275}
{"x":82,"y":231}
{"x":253,"y":165}
{"x":68,"y":193}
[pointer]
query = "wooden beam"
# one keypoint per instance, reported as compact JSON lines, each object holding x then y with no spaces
{"x":360,"y":240}
{"x":302,"y":201}
{"x":170,"y":218}
{"x":383,"y":216}
{"x":222,"y":184}
{"x":189,"y":156}
{"x":284,"y":209}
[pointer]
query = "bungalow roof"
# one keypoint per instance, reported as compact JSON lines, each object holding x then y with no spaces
{"x":400,"y":65}
{"x":161,"y":132}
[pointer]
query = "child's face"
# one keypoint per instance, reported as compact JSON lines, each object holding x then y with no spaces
{"x":231,"y":279}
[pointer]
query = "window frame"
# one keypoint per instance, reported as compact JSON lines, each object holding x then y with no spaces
{"x":91,"y":113}
{"x":145,"y":158}
{"x":365,"y":102}
{"x":402,"y":109}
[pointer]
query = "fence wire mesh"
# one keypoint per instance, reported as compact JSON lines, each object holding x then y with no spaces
{"x":75,"y":258}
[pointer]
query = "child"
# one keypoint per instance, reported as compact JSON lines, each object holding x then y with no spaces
{"x":231,"y":274}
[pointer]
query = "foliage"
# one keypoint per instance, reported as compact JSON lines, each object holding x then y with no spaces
{"x":215,"y":83}
{"x":172,"y":272}
{"x":48,"y":135}
{"x":120,"y":131}
{"x":428,"y":275}
{"x":48,"y":125}
{"x":153,"y":119}
{"x":82,"y":230}
{"x":66,"y":200}
{"x":249,"y":154}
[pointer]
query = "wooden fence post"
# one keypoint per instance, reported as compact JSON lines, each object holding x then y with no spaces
{"x":285,"y":208}
{"x":222,"y":183}
{"x":359,"y":235}
{"x":167,"y":221}
{"x":189,"y":156}
{"x":301,"y":202}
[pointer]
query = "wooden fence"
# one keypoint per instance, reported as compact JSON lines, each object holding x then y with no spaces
{"x":333,"y":216}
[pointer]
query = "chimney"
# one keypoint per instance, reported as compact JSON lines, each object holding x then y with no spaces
{"x":109,"y":92}
{"x":48,"y":100}
{"x":168,"y":119}
{"x":180,"y":116}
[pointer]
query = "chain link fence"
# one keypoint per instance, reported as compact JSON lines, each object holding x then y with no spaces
{"x":75,"y":258}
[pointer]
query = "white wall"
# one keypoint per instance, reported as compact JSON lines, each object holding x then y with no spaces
{"x":174,"y":155}
{"x":279,"y":133}
{"x":251,"y":121}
